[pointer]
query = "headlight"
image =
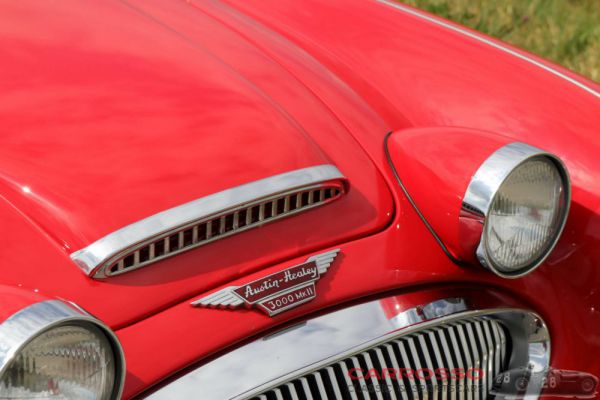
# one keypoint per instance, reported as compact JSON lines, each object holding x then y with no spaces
{"x":52,"y":351}
{"x":522,"y":195}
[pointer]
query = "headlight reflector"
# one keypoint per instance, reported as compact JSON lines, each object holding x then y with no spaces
{"x":525,"y":215}
{"x":522,"y":195}
{"x":66,"y":362}
{"x":54,"y":350}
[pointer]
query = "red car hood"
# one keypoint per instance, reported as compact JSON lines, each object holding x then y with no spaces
{"x":106,"y":124}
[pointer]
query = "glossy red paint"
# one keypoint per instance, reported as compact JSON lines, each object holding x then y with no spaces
{"x":432,"y":166}
{"x":14,"y":299}
{"x":113,"y":111}
{"x":105,"y":130}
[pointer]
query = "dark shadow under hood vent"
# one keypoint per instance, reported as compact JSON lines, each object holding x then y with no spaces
{"x":209,"y":219}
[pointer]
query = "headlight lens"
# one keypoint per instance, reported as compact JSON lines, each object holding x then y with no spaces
{"x":526,"y":216}
{"x":520,"y":195}
{"x":66,"y":362}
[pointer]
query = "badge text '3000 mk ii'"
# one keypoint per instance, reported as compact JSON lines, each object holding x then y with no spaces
{"x":277,"y":292}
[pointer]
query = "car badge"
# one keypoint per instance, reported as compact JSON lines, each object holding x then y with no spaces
{"x":277,"y":292}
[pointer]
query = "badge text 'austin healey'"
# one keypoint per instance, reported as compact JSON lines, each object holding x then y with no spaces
{"x":277,"y":292}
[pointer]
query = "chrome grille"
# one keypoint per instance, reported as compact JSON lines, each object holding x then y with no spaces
{"x":478,"y":342}
{"x":224,"y":224}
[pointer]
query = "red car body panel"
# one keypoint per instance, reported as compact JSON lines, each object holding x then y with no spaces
{"x":114,"y":111}
{"x":99,"y":145}
{"x":427,"y":162}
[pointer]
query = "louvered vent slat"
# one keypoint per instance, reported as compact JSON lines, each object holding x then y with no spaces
{"x":474,"y":343}
{"x":223,"y":225}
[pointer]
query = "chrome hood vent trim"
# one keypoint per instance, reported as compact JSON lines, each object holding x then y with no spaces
{"x":209,"y":219}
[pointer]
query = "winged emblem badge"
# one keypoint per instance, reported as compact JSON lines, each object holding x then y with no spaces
{"x":277,"y":292}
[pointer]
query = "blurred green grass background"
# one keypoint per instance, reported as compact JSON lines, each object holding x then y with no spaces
{"x":564,"y":31}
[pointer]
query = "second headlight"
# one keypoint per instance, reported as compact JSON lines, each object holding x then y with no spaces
{"x":522,"y":196}
{"x":53,"y":350}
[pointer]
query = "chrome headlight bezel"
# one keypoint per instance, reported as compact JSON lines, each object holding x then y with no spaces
{"x":23,"y":327}
{"x":485,"y":185}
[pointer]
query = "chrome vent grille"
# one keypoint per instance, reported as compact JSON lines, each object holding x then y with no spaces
{"x":225,"y":224}
{"x":478,"y":342}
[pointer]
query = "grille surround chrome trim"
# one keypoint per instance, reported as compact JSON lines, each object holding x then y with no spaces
{"x":247,"y":372}
{"x":100,"y":255}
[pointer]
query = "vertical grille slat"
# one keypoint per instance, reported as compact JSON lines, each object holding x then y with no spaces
{"x":467,"y":359}
{"x":503,"y":343}
{"x":476,"y":359}
{"x":278,"y":394}
{"x":348,"y":381}
{"x":478,"y":342}
{"x":337,"y":394}
{"x":498,"y":343}
{"x":459,"y":361}
{"x":223,"y":225}
{"x":448,"y":358}
{"x":361,"y":381}
{"x":320,"y":386}
{"x":416,"y":363}
{"x":438,"y":362}
{"x":376,"y":393}
{"x":407,"y":363}
{"x":292,"y":389}
{"x":306,"y":392}
{"x":428,"y":364}
{"x":402,"y":388}
{"x":391,"y":394}
{"x":486,"y":383}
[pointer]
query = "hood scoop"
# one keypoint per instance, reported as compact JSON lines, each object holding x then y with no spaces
{"x":210,"y":218}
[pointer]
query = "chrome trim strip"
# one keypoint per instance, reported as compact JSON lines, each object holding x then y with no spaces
{"x":91,"y":258}
{"x":23,"y":326}
{"x":491,"y":43}
{"x":306,"y":347}
{"x":486,"y":182}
